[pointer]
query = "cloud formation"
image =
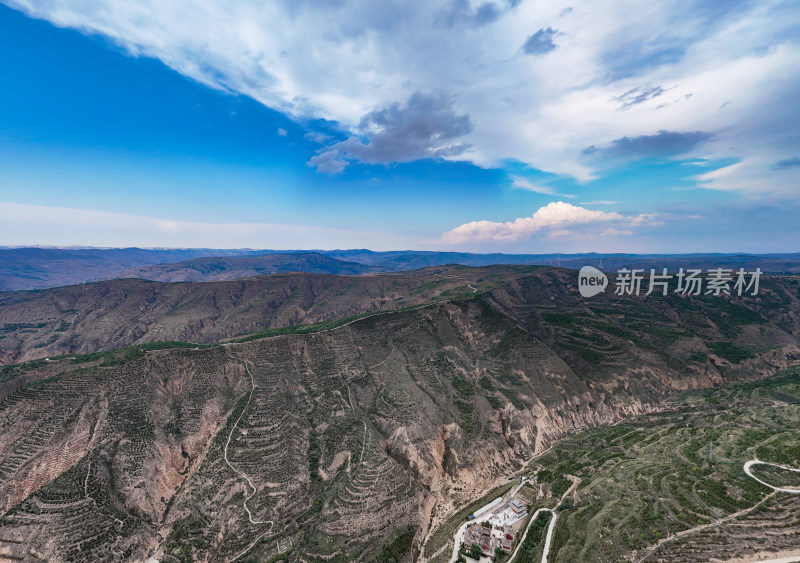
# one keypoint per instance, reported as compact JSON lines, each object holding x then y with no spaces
{"x":460,"y":12}
{"x":663,"y":143}
{"x":358,"y":61}
{"x":638,"y":95}
{"x":787,"y":163}
{"x":427,"y":126}
{"x":328,"y":162}
{"x":540,"y":43}
{"x":556,"y":219}
{"x":524,"y":184}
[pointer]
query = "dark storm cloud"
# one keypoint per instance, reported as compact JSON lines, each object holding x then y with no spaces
{"x":787,"y":163}
{"x":541,"y":42}
{"x":663,"y":143}
{"x":425,"y":127}
{"x":639,"y":95}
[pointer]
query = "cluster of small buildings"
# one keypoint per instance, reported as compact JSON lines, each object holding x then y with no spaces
{"x":510,"y":513}
{"x":489,"y":538}
{"x":496,"y":529}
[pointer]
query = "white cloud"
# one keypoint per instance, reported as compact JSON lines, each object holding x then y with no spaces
{"x":556,"y":219}
{"x":524,"y":184}
{"x":317,"y":137}
{"x":282,"y":132}
{"x":675,"y":66}
{"x":23,"y":225}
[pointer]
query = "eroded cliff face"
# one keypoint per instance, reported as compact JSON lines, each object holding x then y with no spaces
{"x":59,"y":451}
{"x":304,"y":439}
{"x":110,"y":446}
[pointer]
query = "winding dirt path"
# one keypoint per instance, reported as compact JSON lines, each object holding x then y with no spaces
{"x":228,"y":442}
{"x":242,"y":473}
{"x":790,"y":490}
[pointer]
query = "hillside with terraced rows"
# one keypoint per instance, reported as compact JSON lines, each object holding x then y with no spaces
{"x":87,"y":318}
{"x":348,"y":442}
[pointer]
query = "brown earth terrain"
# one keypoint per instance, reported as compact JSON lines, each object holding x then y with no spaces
{"x":342,"y":444}
{"x":100,"y":316}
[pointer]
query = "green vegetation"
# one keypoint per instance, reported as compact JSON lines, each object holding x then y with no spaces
{"x":465,"y":389}
{"x":396,"y":550}
{"x":782,"y":449}
{"x":122,"y":355}
{"x":560,"y":486}
{"x":486,"y":383}
{"x":729,"y":316}
{"x":734,"y":353}
{"x":12,"y":327}
{"x":9,"y":372}
{"x":670,"y":471}
{"x":302,"y":329}
{"x":321,"y":326}
{"x":54,"y":378}
{"x":513,"y":398}
{"x":531,"y":549}
{"x":776,"y":476}
{"x":465,"y":420}
{"x":186,"y":540}
{"x":428,"y":286}
{"x":494,"y":402}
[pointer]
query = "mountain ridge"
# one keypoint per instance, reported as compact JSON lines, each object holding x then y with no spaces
{"x":408,"y":414}
{"x":39,"y":268}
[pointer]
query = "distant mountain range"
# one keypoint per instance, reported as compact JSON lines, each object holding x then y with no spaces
{"x":39,"y":268}
{"x":220,"y":268}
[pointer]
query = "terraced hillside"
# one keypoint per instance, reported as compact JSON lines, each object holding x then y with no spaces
{"x":706,"y":335}
{"x":670,"y":486}
{"x":354,"y":443}
{"x":100,"y":316}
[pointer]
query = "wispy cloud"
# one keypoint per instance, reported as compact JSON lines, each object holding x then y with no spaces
{"x":787,"y":163}
{"x":524,"y":184}
{"x":663,"y":143}
{"x":638,"y":95}
{"x":36,"y":224}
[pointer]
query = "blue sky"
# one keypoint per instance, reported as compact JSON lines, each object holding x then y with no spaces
{"x":511,"y":126}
